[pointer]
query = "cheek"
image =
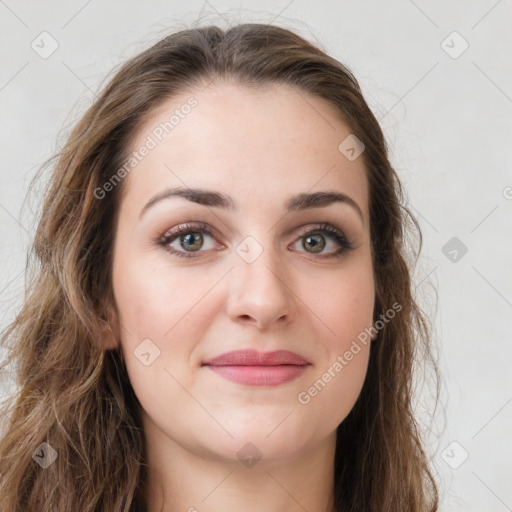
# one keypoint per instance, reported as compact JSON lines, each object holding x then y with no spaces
{"x":345,"y":307}
{"x":335,"y":387}
{"x":163,"y":319}
{"x":156,"y":302}
{"x":344,"y":304}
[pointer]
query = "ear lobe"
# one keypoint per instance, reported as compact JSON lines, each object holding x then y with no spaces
{"x":110,"y":337}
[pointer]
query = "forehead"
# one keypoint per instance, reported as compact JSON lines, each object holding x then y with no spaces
{"x":254,"y":144}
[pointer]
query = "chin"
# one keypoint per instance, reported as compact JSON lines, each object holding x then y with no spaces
{"x":272,"y":441}
{"x":257,"y":450}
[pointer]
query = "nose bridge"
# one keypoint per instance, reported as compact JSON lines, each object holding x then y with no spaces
{"x":260,"y":287}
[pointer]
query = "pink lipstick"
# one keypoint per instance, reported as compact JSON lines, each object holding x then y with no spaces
{"x":253,"y":368}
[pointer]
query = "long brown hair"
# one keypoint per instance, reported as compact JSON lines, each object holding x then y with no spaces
{"x":76,"y":396}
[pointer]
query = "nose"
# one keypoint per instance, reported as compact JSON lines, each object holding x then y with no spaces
{"x":261,"y":293}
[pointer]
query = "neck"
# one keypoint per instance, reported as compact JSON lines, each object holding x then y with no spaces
{"x":193,"y":480}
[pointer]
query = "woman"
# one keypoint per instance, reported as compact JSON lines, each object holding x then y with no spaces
{"x":222,"y":317}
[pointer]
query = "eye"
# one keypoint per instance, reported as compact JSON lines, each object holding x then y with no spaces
{"x":315,"y":240}
{"x":187,"y":239}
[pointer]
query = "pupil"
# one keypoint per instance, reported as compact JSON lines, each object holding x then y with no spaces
{"x":317,"y":245}
{"x":191,"y":238}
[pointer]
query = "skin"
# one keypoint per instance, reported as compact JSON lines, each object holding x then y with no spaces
{"x":260,"y":148}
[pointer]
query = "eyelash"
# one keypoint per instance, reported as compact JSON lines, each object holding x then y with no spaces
{"x":324,"y":228}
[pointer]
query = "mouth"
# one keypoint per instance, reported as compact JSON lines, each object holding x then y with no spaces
{"x":253,"y":368}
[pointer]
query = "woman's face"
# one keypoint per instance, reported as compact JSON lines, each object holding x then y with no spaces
{"x":253,"y":270}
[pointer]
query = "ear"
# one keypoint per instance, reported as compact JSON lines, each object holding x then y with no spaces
{"x":110,"y":332}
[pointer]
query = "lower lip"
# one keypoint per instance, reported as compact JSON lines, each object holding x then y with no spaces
{"x":260,"y":375}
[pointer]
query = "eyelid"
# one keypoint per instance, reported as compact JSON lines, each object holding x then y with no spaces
{"x":186,"y":227}
{"x":324,"y":228}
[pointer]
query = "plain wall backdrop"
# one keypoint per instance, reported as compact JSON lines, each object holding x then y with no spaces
{"x":437,"y":75}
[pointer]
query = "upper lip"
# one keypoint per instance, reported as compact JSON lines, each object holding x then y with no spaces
{"x":255,"y":358}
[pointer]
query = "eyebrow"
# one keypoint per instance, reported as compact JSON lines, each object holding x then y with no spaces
{"x":298,"y":202}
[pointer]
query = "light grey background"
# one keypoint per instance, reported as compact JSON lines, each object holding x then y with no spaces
{"x":447,"y":118}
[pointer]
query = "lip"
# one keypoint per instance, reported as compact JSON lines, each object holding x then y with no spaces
{"x":255,"y":358}
{"x":253,"y":368}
